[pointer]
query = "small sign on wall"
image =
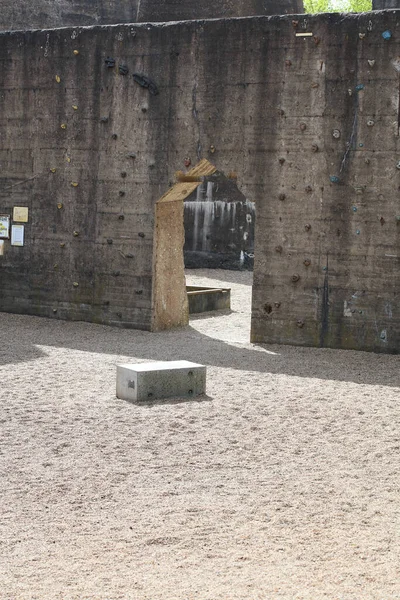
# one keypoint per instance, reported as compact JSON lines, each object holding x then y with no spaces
{"x":20,"y":214}
{"x":17,"y":235}
{"x":4,"y":226}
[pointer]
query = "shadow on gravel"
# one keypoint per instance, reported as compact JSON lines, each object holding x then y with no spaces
{"x":178,"y":400}
{"x":25,"y":336}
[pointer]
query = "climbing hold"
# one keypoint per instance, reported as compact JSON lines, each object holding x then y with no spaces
{"x":76,"y":52}
{"x":144,"y":109}
{"x":295,"y":23}
{"x":295,"y":277}
{"x":268,"y":308}
{"x":282,"y":161}
{"x":121,"y":217}
{"x":358,"y":231}
{"x":54,"y":310}
{"x":307,"y":227}
{"x":277,"y":304}
{"x":350,"y":92}
{"x":212,"y":149}
{"x":75,"y":284}
{"x":359,"y":87}
{"x":315,"y":85}
{"x":281,"y":112}
{"x":129,"y":255}
{"x":139,"y":292}
{"x":397,"y":218}
{"x":371,"y":63}
{"x":119,"y":315}
{"x":354,"y":209}
{"x":110,"y":62}
{"x":123,"y":174}
{"x":121,"y":193}
{"x":288,"y":63}
{"x":141,"y":234}
{"x":131,"y":155}
{"x":324,"y":268}
{"x":109,"y":241}
{"x":60,"y":205}
{"x":398,"y":164}
{"x":300,"y":323}
{"x":361,"y":145}
{"x":62,"y":245}
{"x":308,"y":189}
{"x":104,"y":120}
{"x":55,"y":266}
{"x":146,"y":82}
{"x":370,"y":123}
{"x":367,"y":161}
{"x":316,"y":40}
{"x":74,"y":106}
{"x":58,"y":78}
{"x":336,"y":134}
{"x":307,"y":262}
{"x":116,"y":273}
{"x":123,"y":70}
{"x":282,"y":196}
{"x":314,"y":148}
{"x":387,"y":34}
{"x":382,"y":221}
{"x":334,"y":179}
{"x":187,"y":162}
{"x":278,"y":249}
{"x":114,"y":136}
{"x":76,"y":233}
{"x":53,"y":170}
{"x":361,"y":36}
{"x":63,"y":126}
{"x":303,"y":126}
{"x":74,"y":183}
{"x":68,"y":159}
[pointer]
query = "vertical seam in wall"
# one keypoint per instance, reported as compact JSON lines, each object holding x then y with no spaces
{"x":138,"y":11}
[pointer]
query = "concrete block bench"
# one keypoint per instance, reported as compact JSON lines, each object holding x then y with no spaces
{"x":149,"y":381}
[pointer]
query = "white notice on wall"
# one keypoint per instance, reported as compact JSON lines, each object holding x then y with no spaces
{"x":17,"y":235}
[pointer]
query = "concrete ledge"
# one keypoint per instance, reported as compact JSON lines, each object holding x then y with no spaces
{"x":149,"y":381}
{"x":203,"y":299}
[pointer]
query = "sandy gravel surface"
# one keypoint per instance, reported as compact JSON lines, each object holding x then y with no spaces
{"x":282,"y":483}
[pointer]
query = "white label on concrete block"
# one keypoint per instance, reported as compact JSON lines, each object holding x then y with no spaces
{"x":148,"y":381}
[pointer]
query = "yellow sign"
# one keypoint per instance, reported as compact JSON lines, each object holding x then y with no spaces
{"x":20,"y":214}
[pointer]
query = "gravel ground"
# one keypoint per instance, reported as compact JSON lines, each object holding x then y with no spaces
{"x":282,"y":483}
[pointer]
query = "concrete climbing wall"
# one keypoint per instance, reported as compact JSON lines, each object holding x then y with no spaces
{"x":306,"y":112}
{"x":44,"y":14}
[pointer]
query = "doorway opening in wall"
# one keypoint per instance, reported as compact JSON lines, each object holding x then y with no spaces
{"x":219,"y":257}
{"x":214,"y":229}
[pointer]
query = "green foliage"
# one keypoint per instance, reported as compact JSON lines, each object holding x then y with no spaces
{"x":318,"y":6}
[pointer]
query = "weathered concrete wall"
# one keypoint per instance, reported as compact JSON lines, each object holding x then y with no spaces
{"x":45,"y":14}
{"x":385,"y":4}
{"x":176,"y":10}
{"x":326,"y":269}
{"x":219,"y":226}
